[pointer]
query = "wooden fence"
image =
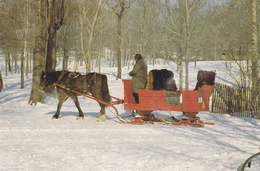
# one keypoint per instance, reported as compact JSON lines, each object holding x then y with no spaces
{"x":234,"y":101}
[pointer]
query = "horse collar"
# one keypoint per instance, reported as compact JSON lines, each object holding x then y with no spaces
{"x":74,"y":75}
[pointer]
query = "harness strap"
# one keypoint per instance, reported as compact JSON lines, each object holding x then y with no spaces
{"x":61,"y":75}
{"x":74,"y":75}
{"x":94,"y":76}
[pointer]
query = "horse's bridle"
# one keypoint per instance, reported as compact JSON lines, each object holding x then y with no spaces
{"x":43,"y":85}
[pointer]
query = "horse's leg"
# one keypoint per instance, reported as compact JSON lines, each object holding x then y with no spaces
{"x":97,"y":94}
{"x":102,"y":113}
{"x":76,"y":101}
{"x":62,"y":96}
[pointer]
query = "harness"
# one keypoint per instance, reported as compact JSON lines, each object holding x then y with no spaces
{"x":95,"y":82}
{"x":72,"y":76}
{"x":94,"y":76}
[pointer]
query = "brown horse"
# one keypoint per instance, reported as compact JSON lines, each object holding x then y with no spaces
{"x":93,"y":83}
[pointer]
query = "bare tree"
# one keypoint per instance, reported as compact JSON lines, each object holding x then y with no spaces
{"x":118,"y":9}
{"x":89,"y":17}
{"x":242,"y":48}
{"x":9,"y":38}
{"x":67,"y":40}
{"x":184,"y":18}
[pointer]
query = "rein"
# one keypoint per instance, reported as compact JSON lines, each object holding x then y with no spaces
{"x":95,"y":81}
{"x":61,"y":75}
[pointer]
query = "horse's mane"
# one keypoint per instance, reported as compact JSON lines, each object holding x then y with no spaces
{"x":52,"y":77}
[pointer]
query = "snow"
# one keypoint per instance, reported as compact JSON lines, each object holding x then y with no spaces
{"x":31,"y":140}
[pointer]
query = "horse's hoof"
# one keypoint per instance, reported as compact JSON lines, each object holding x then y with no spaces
{"x":102,"y":118}
{"x":80,"y":118}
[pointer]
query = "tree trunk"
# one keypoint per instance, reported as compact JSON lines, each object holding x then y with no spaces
{"x":51,"y":58}
{"x":30,"y":62}
{"x":51,"y":52}
{"x":119,"y":43}
{"x":39,"y":53}
{"x":25,"y":30}
{"x":186,"y":74}
{"x":82,"y":53}
{"x":187,"y":39}
{"x":27,"y":64}
{"x":1,"y":82}
{"x":51,"y":41}
{"x":55,"y":22}
{"x":7,"y":56}
{"x":23,"y":58}
{"x":15,"y":65}
{"x":88,"y":58}
{"x":255,"y":58}
{"x":119,"y":47}
{"x":51,"y":45}
{"x":65,"y":58}
{"x":180,"y":73}
{"x":110,"y":58}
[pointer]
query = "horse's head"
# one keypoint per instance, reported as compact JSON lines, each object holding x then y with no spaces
{"x":49,"y":78}
{"x":43,"y":82}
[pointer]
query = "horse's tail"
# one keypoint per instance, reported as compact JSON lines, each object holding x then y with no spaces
{"x":104,"y":89}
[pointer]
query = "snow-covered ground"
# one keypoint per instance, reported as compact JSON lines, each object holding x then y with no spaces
{"x":31,"y":140}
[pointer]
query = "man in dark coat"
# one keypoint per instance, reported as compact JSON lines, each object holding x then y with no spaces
{"x":139,"y":74}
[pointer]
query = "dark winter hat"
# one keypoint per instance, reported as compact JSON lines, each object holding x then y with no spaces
{"x":138,"y":56}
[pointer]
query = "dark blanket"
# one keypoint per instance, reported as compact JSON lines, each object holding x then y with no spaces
{"x":163,"y":80}
{"x":205,"y":77}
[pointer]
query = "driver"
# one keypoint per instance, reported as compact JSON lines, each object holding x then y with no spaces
{"x":139,"y":74}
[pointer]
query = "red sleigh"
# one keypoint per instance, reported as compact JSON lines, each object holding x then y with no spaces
{"x":190,"y":102}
